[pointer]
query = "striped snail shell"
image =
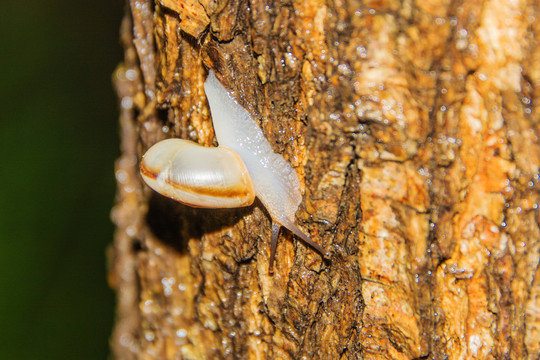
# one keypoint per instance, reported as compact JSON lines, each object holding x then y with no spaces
{"x":196,"y":175}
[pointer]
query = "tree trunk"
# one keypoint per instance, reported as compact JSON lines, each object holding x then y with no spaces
{"x":413,"y":127}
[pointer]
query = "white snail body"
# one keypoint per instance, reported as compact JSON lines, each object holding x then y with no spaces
{"x":208,"y":171}
{"x":275,"y":181}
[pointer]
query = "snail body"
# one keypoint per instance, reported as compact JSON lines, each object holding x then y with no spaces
{"x":231,"y":175}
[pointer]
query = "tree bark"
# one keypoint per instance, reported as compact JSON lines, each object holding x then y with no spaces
{"x":414,"y":130}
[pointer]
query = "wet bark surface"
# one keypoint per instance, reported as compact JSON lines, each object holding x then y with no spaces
{"x":414,"y":130}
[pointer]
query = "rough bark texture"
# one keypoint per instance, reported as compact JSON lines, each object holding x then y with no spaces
{"x":413,"y":127}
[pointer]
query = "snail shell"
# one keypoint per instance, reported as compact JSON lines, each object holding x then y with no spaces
{"x":196,"y":175}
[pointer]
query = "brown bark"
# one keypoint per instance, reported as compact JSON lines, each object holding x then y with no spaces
{"x":414,"y":130}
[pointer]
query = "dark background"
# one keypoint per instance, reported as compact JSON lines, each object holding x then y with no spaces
{"x":58,"y":141}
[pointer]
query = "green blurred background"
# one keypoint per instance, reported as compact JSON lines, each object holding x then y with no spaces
{"x":59,"y":141}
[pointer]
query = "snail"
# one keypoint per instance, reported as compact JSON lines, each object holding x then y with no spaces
{"x":242,"y":167}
